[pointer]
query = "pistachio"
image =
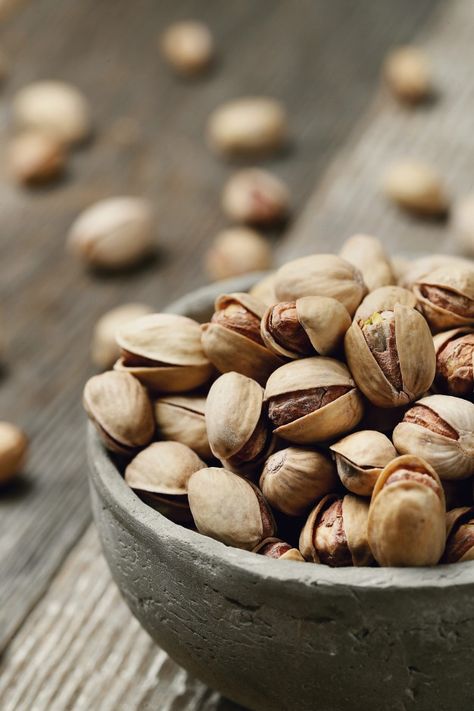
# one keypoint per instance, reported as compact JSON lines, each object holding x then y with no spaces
{"x":120,"y":409}
{"x":181,"y":418}
{"x":321,"y":275}
{"x":463,"y":224}
{"x":307,"y":325}
{"x":384,"y":299}
{"x":164,"y":352}
{"x":232,"y":339}
{"x":312,"y":400}
{"x":400,"y":266}
{"x":229,"y":508}
{"x":416,"y":187}
{"x":391,"y":356}
{"x":236,"y":251}
{"x":407,"y":514}
{"x":455,"y":362}
{"x":55,"y":107}
{"x":188,"y":47}
{"x":360,"y":458}
{"x":335,"y":533}
{"x":255,"y":196}
{"x":105,"y":350}
{"x":36,"y":157}
{"x":275,"y":548}
{"x":113,"y":234}
{"x":160,"y":473}
{"x":248,"y":126}
{"x":367,"y":254}
{"x":236,"y":423}
{"x":264,"y":290}
{"x":439,"y":428}
{"x":460,"y":535}
{"x":446,"y":296}
{"x":294,"y":478}
{"x":419,"y":268}
{"x":13,"y":451}
{"x":407,"y":73}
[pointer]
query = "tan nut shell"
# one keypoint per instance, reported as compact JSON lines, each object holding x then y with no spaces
{"x":367,"y":254}
{"x":423,"y":266}
{"x":321,"y":275}
{"x":120,"y":409}
{"x":231,"y":351}
{"x":264,"y":290}
{"x":227,"y":507}
{"x":291,"y":554}
{"x":306,"y":542}
{"x":440,"y":339}
{"x":452,"y":459}
{"x":174,"y":344}
{"x":333,"y":419}
{"x":233,"y":410}
{"x":416,"y":187}
{"x":452,"y":518}
{"x":458,"y":278}
{"x":163,"y":468}
{"x":181,"y":418}
{"x":293,"y":478}
{"x":384,"y":299}
{"x":360,"y":457}
{"x":415,"y":353}
{"x":407,"y":518}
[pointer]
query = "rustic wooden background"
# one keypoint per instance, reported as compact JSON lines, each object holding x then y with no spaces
{"x":67,"y":639}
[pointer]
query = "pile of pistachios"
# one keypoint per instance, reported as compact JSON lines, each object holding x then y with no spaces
{"x":326,"y":416}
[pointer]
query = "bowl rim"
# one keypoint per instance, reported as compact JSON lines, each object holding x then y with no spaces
{"x":138,"y":517}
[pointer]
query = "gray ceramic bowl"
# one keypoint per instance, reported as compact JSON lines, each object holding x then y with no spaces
{"x":277,"y":635}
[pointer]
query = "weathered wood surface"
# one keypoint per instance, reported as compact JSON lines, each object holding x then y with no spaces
{"x":321,"y":58}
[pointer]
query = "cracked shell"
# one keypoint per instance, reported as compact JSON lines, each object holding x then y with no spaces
{"x":384,"y":299}
{"x":276,"y":548}
{"x":460,"y":535}
{"x":445,"y":296}
{"x":360,"y":458}
{"x":455,"y":362}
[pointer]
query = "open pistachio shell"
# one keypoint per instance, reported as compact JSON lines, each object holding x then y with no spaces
{"x":227,"y":507}
{"x":121,"y":411}
{"x":407,"y":514}
{"x":368,"y":255}
{"x":455,"y":362}
{"x":181,"y":418}
{"x":413,"y":351}
{"x":314,"y":375}
{"x":355,"y":513}
{"x":306,"y":542}
{"x":276,"y":548}
{"x":294,"y":478}
{"x":419,"y":268}
{"x":164,"y":352}
{"x":321,"y":275}
{"x":446,"y":296}
{"x":384,"y":299}
{"x":360,"y":457}
{"x":460,"y":535}
{"x":163,"y":468}
{"x":439,"y":428}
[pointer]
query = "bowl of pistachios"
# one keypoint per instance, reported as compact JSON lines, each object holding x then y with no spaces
{"x":281,"y":476}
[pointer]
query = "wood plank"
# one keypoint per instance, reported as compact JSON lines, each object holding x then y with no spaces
{"x":321,"y":58}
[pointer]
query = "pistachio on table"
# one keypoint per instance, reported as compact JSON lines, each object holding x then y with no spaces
{"x":416,"y":187}
{"x":311,"y":324}
{"x":36,"y":157}
{"x":256,"y":197}
{"x":229,"y":508}
{"x":407,"y":514}
{"x":232,"y":340}
{"x":295,"y":477}
{"x":312,"y":400}
{"x":368,"y":255}
{"x":391,"y":356}
{"x":360,"y":458}
{"x":13,"y":451}
{"x":181,"y":418}
{"x":164,"y":352}
{"x":275,"y":548}
{"x":236,"y":251}
{"x":321,"y":275}
{"x":455,"y":362}
{"x":121,"y":411}
{"x":188,"y":47}
{"x":408,"y":75}
{"x":336,"y":532}
{"x":160,"y":475}
{"x":236,"y":422}
{"x":440,"y":429}
{"x":446,"y":296}
{"x":460,"y":535}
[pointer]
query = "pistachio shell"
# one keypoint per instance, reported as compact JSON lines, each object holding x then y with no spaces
{"x":181,"y":418}
{"x":335,"y":418}
{"x":306,"y":542}
{"x":276,"y":546}
{"x":120,"y":409}
{"x":321,"y":275}
{"x":457,"y":282}
{"x":293,"y":478}
{"x":453,"y":458}
{"x":233,"y":411}
{"x":325,"y":321}
{"x":460,"y":535}
{"x":229,"y":508}
{"x":368,"y":255}
{"x":355,"y":513}
{"x":455,"y":362}
{"x":360,"y":457}
{"x":384,"y":299}
{"x":416,"y":187}
{"x":163,"y":468}
{"x":264,"y":290}
{"x":407,"y":517}
{"x":421,"y":267}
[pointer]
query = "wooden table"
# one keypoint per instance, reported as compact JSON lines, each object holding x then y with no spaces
{"x":66,"y":638}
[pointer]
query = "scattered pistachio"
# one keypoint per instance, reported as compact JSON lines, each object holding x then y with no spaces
{"x":255,"y":196}
{"x":407,"y":73}
{"x":36,"y":157}
{"x":416,"y":187}
{"x":13,"y":451}
{"x":236,"y":251}
{"x":188,"y":47}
